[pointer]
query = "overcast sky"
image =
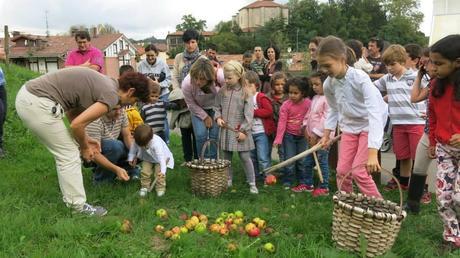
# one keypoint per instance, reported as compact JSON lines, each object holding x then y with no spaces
{"x":137,"y":19}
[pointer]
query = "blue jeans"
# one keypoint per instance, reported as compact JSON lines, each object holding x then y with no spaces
{"x":260,"y":155}
{"x":293,"y":145}
{"x":202,"y":134}
{"x":164,"y":98}
{"x":115,"y":152}
{"x":323,"y":159}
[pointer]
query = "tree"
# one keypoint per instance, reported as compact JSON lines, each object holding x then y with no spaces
{"x":224,"y":26}
{"x":362,"y":18}
{"x":106,"y":28}
{"x":190,"y":22}
{"x":303,"y":22}
{"x":404,"y":20}
{"x":227,"y":42}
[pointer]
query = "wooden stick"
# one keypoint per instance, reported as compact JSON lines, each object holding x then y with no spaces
{"x":298,"y":156}
{"x":318,"y":168}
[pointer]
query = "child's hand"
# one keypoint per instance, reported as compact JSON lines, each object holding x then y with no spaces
{"x":121,"y":174}
{"x":241,"y":137}
{"x":208,"y":122}
{"x":220,"y":122}
{"x":432,"y":152}
{"x":373,"y":162}
{"x":313,"y":140}
{"x":455,"y":140}
{"x":325,"y":142}
{"x":133,"y":162}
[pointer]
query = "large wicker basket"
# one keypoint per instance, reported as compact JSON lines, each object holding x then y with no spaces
{"x":208,"y":176}
{"x":357,"y":217}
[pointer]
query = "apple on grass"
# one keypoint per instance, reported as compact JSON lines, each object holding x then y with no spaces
{"x":162,"y":213}
{"x":254,"y":232}
{"x":239,"y":214}
{"x":269,"y":247}
{"x":200,"y":227}
{"x":126,"y":226}
{"x":270,"y":180}
{"x":159,"y":228}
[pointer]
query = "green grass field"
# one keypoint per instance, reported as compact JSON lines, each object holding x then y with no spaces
{"x":34,"y":221}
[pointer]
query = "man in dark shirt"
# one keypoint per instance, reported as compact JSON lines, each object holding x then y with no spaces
{"x":375,"y":47}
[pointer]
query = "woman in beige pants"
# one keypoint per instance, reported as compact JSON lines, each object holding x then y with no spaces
{"x":83,"y":95}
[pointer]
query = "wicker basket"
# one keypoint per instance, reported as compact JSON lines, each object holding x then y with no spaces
{"x":208,"y":176}
{"x":356,"y":215}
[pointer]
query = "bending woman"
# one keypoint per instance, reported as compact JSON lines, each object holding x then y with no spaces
{"x":84,"y":95}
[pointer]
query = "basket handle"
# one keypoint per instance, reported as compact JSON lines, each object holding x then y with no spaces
{"x":383,"y":170}
{"x":207,"y":144}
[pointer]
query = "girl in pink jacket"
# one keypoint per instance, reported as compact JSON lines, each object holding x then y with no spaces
{"x":313,"y":125}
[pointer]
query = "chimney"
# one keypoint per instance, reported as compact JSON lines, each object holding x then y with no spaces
{"x":93,"y":32}
{"x":73,"y":31}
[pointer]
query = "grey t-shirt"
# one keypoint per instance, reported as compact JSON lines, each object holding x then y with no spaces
{"x":75,"y":87}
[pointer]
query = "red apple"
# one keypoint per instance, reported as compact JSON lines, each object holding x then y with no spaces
{"x":255,"y":232}
{"x":270,"y":180}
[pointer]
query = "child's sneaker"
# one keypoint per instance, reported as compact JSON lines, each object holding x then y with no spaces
{"x":143,"y":192}
{"x":302,"y":188}
{"x":320,"y":192}
{"x":392,"y":185}
{"x":253,"y":189}
{"x":160,"y":193}
{"x":426,"y":198}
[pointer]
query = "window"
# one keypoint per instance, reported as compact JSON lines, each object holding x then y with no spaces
{"x":115,"y":48}
{"x":121,"y":45}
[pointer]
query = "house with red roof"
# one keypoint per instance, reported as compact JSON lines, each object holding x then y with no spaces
{"x":258,"y":13}
{"x":46,"y":54}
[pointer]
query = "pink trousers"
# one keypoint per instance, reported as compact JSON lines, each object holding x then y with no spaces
{"x":353,"y":155}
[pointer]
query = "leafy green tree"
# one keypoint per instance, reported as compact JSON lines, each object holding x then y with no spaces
{"x":227,"y":42}
{"x":223,"y":26}
{"x":362,"y":18}
{"x":404,"y":20}
{"x":303,"y":22}
{"x":190,"y":22}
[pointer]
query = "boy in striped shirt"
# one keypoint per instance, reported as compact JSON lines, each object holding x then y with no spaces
{"x":154,"y":112}
{"x":407,"y":117}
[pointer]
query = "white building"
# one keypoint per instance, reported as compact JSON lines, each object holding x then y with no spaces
{"x":446,"y":19}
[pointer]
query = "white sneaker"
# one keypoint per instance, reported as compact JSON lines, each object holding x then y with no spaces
{"x":143,"y":192}
{"x":160,"y":193}
{"x":253,"y":189}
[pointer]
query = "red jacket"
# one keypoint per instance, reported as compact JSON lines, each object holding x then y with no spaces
{"x":444,"y":116}
{"x":265,"y":112}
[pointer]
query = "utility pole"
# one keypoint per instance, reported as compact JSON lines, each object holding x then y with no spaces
{"x":7,"y":46}
{"x":47,"y":28}
{"x":297,"y":41}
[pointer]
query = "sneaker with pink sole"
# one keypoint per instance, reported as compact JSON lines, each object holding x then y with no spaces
{"x":320,"y":192}
{"x":302,"y":188}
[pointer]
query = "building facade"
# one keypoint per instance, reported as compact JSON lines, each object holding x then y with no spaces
{"x":46,"y":54}
{"x":255,"y":15}
{"x":446,"y":19}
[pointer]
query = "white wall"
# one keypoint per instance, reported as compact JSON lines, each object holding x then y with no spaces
{"x":446,"y":19}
